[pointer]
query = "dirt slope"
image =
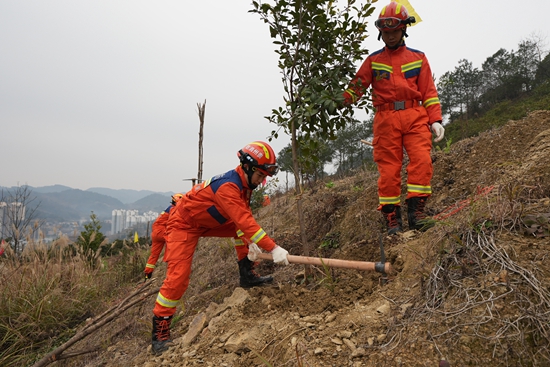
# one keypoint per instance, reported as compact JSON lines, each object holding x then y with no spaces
{"x":473,"y":290}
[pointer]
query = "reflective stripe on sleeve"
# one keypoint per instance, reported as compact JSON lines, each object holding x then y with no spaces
{"x":150,"y":266}
{"x":352,"y":94}
{"x":431,"y":101}
{"x":258,"y":236}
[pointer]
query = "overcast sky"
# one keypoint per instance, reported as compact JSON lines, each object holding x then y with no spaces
{"x":104,"y":93}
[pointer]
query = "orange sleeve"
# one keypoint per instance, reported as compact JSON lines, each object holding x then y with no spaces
{"x":228,"y":198}
{"x":359,"y":84}
{"x":427,"y":88}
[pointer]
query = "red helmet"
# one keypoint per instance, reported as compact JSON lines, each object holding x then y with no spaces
{"x":393,"y":16}
{"x":176,"y":198}
{"x":259,"y":155}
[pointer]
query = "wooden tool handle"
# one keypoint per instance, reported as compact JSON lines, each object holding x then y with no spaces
{"x":332,"y":263}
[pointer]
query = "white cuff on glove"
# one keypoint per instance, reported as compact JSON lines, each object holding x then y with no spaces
{"x":438,"y":130}
{"x":279,"y":255}
{"x":253,"y":251}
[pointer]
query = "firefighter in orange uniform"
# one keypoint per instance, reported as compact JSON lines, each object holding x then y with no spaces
{"x":219,"y":207}
{"x":407,"y":112}
{"x":158,"y":230}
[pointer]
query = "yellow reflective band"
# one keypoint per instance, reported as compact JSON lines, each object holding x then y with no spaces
{"x":239,"y":242}
{"x":150,"y":266}
{"x":258,"y":236}
{"x":207,"y":182}
{"x":266,"y":151}
{"x":398,"y":9}
{"x":411,"y":65}
{"x":384,"y":67}
{"x":419,"y":189}
{"x":240,"y":233}
{"x":351,"y":92}
{"x":384,"y":200}
{"x":431,"y":101}
{"x":163,"y":301}
{"x":383,"y":11}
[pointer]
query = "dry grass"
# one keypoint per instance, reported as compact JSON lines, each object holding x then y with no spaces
{"x":49,"y":291}
{"x":483,"y":284}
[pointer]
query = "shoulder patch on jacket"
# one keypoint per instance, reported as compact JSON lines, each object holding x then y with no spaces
{"x":414,"y":50}
{"x":377,"y":52}
{"x":231,"y":176}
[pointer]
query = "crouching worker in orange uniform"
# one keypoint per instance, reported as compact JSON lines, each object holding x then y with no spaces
{"x":219,"y":207}
{"x":407,"y":112}
{"x":157,"y":236}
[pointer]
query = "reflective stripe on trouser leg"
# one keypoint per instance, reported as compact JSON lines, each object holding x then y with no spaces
{"x":241,"y":247}
{"x":418,"y":144}
{"x":178,"y":272}
{"x":173,"y":288}
{"x":388,"y":155}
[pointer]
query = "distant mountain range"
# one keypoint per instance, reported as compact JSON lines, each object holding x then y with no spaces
{"x":60,"y":203}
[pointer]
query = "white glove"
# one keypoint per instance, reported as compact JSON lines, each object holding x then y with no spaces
{"x":253,"y":251}
{"x":438,"y":130}
{"x":279,"y":255}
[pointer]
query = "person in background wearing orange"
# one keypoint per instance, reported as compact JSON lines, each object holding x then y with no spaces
{"x":218,"y":207}
{"x":407,"y":112}
{"x":157,"y":236}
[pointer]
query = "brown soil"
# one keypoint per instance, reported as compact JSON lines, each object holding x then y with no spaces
{"x":473,"y":290}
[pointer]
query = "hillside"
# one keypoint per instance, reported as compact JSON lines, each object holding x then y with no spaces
{"x":127,"y":196}
{"x":75,"y":205}
{"x":58,"y":203}
{"x":473,"y":290}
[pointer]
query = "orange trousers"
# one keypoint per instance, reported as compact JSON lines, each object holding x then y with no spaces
{"x":158,"y":241}
{"x":180,"y":248}
{"x":393,"y":131}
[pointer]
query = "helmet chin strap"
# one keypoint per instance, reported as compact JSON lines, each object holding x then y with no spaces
{"x":249,"y":172}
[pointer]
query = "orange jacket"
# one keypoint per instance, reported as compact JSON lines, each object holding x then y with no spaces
{"x":159,"y":226}
{"x":403,"y":74}
{"x":222,"y":200}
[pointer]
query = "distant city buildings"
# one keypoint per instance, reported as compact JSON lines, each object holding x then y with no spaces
{"x":122,"y":219}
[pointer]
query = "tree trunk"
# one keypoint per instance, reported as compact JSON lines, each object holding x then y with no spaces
{"x":298,"y":188}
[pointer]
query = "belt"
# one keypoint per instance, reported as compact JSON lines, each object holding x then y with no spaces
{"x":398,"y":105}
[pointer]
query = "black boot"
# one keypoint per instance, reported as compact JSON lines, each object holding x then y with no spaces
{"x":415,"y":213}
{"x":392,"y":215}
{"x":249,"y":278}
{"x":161,"y":334}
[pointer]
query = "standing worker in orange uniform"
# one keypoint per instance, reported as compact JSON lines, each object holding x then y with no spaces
{"x":219,"y":207}
{"x":157,"y":236}
{"x":407,"y":112}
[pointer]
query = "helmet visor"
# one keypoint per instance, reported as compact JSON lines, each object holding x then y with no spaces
{"x":270,"y":169}
{"x":388,"y":23}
